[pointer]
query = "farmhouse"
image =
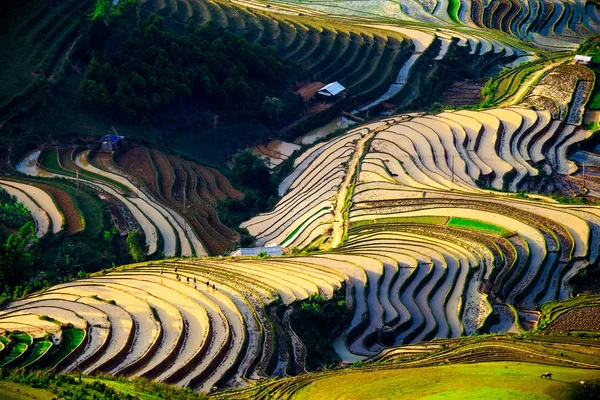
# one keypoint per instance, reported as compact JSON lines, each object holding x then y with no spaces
{"x":332,"y":89}
{"x":583,"y":60}
{"x":111,"y":143}
{"x":254,"y":251}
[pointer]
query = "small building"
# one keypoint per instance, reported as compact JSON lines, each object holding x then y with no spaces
{"x":583,"y":60}
{"x":332,"y":89}
{"x":111,"y":142}
{"x":254,"y":251}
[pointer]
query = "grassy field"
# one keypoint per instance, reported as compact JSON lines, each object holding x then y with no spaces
{"x":501,"y":380}
{"x":17,"y":391}
{"x":475,"y":225}
{"x":431,"y":220}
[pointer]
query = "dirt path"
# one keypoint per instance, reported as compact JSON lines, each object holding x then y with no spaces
{"x":529,"y":84}
{"x":297,"y":345}
{"x":340,"y":225}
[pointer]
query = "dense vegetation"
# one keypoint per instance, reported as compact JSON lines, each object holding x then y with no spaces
{"x":318,"y":322}
{"x":69,"y":387}
{"x":151,"y":73}
{"x":592,"y":48}
{"x":252,"y":176}
{"x":53,"y":259}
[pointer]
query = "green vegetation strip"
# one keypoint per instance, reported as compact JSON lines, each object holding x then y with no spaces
{"x":476,"y":225}
{"x":39,"y":349}
{"x":303,"y":225}
{"x":14,"y":351}
{"x":71,"y":338}
{"x":49,"y":161}
{"x":430,"y":220}
{"x":453,"y":6}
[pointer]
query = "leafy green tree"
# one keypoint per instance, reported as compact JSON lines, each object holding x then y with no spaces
{"x":251,"y":171}
{"x":18,"y":254}
{"x":273,"y":107}
{"x":136,"y":240}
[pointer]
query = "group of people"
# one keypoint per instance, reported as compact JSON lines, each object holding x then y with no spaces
{"x":188,"y":279}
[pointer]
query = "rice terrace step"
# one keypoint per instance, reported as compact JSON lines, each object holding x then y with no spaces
{"x":189,"y":210}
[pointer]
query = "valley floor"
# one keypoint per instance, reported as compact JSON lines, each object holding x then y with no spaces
{"x":497,"y":380}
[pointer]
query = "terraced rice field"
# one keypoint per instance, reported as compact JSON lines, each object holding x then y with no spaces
{"x":372,"y":58}
{"x":550,"y":25}
{"x":414,"y":218}
{"x":172,"y":200}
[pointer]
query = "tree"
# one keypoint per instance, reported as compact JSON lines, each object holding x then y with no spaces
{"x":18,"y":254}
{"x":251,"y":171}
{"x":136,"y":240}
{"x":273,"y":107}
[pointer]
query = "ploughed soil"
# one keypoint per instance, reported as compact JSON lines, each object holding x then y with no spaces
{"x":464,"y":93}
{"x":307,"y":90}
{"x":581,"y":319}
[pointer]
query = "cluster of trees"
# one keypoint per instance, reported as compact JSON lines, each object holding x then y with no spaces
{"x":136,"y":241}
{"x":13,"y":214}
{"x":250,"y":174}
{"x":19,"y":246}
{"x":152,"y":68}
{"x":28,"y":264}
{"x":318,"y":322}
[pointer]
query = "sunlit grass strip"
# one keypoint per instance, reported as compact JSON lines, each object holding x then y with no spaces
{"x":40,"y":348}
{"x":301,"y":227}
{"x":431,"y":220}
{"x":453,"y":6}
{"x":71,"y":339}
{"x":476,"y":225}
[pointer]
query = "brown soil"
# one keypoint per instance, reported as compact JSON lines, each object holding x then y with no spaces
{"x":307,"y":90}
{"x":136,"y":161}
{"x":464,"y":93}
{"x":225,"y":185}
{"x":165,"y":172}
{"x":582,"y":319}
{"x":73,"y":223}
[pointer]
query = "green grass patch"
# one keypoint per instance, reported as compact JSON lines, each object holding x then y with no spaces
{"x":495,"y":380}
{"x":14,"y":351}
{"x":71,"y":338}
{"x":49,"y":160}
{"x":302,"y":225}
{"x":18,"y":391}
{"x":476,"y":225}
{"x":89,"y":205}
{"x":40,"y":348}
{"x":453,"y":6}
{"x":430,"y":220}
{"x":21,"y":337}
{"x":49,"y":319}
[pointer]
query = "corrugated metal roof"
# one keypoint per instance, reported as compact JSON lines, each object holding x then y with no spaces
{"x":253,"y":251}
{"x":112,"y":138}
{"x":332,"y":89}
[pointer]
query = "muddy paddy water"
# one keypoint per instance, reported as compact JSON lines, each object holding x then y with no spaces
{"x":277,"y":151}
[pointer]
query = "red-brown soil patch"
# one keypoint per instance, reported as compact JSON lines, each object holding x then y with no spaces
{"x":581,"y":319}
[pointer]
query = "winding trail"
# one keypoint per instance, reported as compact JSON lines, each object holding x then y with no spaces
{"x":340,"y":225}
